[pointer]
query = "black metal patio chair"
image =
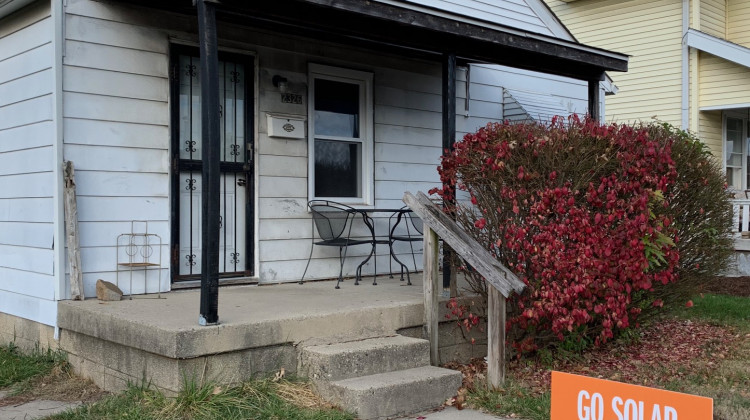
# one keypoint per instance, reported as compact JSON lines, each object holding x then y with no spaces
{"x":414,"y":233}
{"x":333,"y":222}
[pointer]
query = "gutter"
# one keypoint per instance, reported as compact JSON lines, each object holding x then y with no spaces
{"x":58,"y":40}
{"x":685,"y":100}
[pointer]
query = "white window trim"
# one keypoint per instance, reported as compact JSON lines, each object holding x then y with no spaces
{"x":367,"y":137}
{"x":744,"y":117}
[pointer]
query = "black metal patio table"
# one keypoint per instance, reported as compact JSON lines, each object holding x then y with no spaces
{"x":380,"y":240}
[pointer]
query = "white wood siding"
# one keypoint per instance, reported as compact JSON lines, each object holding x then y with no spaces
{"x":539,"y":96}
{"x":117,"y":132}
{"x":714,"y":17}
{"x":738,"y":16}
{"x":513,"y":13}
{"x":648,"y":30}
{"x":115,"y":101}
{"x":26,"y":137}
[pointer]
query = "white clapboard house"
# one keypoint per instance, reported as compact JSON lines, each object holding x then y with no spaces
{"x":115,"y":88}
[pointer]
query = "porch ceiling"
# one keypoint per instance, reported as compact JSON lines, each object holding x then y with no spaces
{"x":386,"y":26}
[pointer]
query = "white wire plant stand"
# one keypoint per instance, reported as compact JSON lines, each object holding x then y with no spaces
{"x":135,"y":252}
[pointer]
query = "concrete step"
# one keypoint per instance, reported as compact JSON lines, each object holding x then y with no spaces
{"x":363,"y":357}
{"x":387,"y":395}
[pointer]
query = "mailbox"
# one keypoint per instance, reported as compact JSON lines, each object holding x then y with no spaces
{"x":286,"y":126}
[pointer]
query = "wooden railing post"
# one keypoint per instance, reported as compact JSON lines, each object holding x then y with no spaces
{"x":501,"y":282}
{"x":495,"y":337}
{"x":431,"y":290}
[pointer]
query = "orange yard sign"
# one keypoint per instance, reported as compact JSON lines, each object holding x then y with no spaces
{"x":576,"y":397}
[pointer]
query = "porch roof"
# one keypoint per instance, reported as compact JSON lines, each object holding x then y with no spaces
{"x":413,"y":32}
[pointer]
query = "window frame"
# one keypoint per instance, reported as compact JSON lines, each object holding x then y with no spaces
{"x":366,"y":134}
{"x":745,"y":150}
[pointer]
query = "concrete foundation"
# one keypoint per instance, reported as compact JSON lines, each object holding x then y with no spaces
{"x":160,"y":342}
{"x":27,"y":335}
{"x":739,"y":264}
{"x":113,"y":366}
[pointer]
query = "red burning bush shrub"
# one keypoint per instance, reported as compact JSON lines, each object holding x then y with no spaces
{"x":579,"y":211}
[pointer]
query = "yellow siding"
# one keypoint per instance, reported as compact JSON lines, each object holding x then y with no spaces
{"x":713,"y":17}
{"x":722,"y":82}
{"x":652,"y":86}
{"x":710,"y":124}
{"x":738,"y":22}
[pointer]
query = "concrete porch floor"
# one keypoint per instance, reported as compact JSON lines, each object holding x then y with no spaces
{"x":259,"y":330}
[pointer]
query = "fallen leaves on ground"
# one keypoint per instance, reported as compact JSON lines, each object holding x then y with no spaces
{"x":665,"y":351}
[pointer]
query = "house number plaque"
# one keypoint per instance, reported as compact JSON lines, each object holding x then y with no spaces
{"x":291,"y":98}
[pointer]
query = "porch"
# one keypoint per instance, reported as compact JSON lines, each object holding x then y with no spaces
{"x":261,"y":330}
{"x":740,"y":264}
{"x":741,"y":223}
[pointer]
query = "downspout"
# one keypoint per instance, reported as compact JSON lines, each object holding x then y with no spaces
{"x":685,"y":66}
{"x":58,"y":244}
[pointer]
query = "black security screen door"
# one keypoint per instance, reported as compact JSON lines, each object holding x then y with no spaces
{"x":236,"y":218}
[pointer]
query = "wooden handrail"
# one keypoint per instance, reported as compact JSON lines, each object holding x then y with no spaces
{"x":503,"y":282}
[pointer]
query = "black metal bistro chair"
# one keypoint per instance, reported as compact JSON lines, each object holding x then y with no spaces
{"x":414,"y":233}
{"x":333,"y":222}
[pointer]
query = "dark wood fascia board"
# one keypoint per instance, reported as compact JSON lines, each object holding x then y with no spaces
{"x":386,"y":27}
{"x":510,"y":37}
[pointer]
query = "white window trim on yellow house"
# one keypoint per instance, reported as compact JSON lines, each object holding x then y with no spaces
{"x":739,"y":55}
{"x":740,"y":183}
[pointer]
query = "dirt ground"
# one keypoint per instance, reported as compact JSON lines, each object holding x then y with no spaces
{"x":59,"y":385}
{"x":734,"y":286}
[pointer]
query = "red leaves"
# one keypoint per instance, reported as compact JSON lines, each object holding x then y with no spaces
{"x":574,"y":214}
{"x":463,"y":316}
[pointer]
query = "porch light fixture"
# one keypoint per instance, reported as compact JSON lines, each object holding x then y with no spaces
{"x":281,"y":83}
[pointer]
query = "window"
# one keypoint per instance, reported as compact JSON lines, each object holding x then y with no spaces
{"x":340,"y":133}
{"x":736,"y":152}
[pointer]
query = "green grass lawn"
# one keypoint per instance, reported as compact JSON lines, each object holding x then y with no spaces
{"x":16,"y":368}
{"x":260,"y":399}
{"x":719,"y":309}
{"x":723,"y":375}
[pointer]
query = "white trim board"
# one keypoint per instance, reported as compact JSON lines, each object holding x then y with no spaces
{"x":719,"y":47}
{"x":725,"y":107}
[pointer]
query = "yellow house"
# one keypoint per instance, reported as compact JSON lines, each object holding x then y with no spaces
{"x":689,"y":66}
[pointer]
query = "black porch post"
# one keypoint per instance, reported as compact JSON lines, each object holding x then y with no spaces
{"x":595,"y":98}
{"x":209,"y":77}
{"x":449,"y":136}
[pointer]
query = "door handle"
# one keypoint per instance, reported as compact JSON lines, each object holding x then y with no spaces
{"x":241,"y":182}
